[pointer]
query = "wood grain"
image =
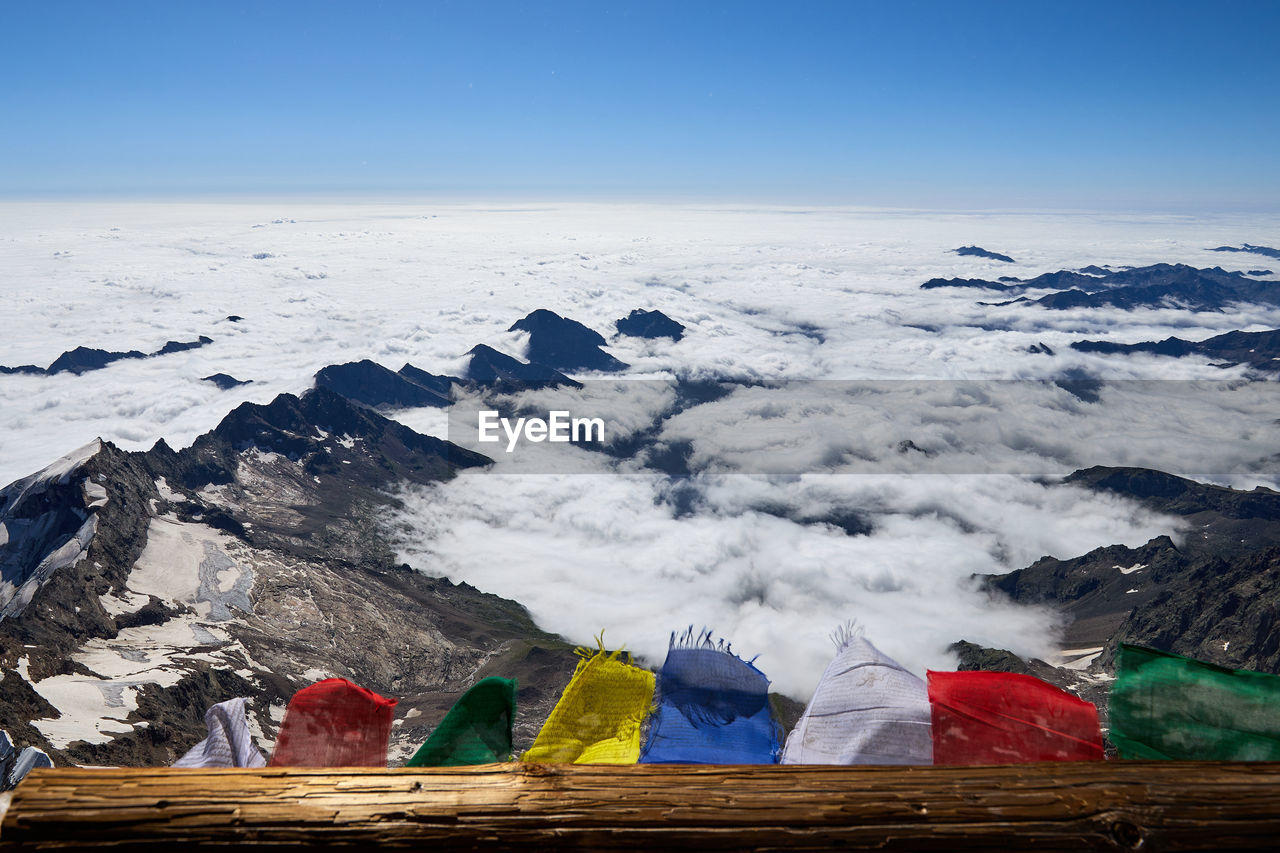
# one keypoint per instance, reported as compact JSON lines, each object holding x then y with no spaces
{"x":1085,"y":805}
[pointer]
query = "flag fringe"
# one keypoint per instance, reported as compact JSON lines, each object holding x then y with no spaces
{"x":844,"y":635}
{"x":704,"y":639}
{"x":587,"y":653}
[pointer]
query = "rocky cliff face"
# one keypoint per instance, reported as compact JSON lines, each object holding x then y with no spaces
{"x":139,"y":588}
{"x":565,"y":344}
{"x":1211,"y":595}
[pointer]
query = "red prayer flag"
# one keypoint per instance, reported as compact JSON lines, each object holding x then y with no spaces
{"x":334,"y":723}
{"x":1005,"y":718}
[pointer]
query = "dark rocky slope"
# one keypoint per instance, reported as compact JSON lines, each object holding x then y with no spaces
{"x":1154,"y":286}
{"x":1259,"y":350}
{"x":564,"y":344}
{"x":1211,"y":596}
{"x":85,"y":359}
{"x":261,"y":544}
{"x":649,"y":324}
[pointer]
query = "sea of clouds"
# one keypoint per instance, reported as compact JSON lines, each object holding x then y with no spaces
{"x":596,"y":542}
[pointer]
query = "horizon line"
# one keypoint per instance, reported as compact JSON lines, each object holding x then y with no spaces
{"x":734,"y":203}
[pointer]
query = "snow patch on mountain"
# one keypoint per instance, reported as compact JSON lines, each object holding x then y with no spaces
{"x":188,"y":564}
{"x":42,"y":535}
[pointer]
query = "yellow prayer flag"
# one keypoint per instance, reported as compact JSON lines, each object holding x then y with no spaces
{"x":597,"y":720}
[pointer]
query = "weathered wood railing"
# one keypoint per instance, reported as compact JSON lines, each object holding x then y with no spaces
{"x":1087,"y":805}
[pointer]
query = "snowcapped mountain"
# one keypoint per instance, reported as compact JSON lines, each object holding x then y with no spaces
{"x":797,"y":433}
{"x":139,"y":588}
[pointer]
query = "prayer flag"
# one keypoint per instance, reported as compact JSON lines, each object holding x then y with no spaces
{"x":477,"y":729}
{"x":597,"y":720}
{"x":866,"y":709}
{"x":334,"y":723}
{"x":1007,"y":718}
{"x":1167,"y":706}
{"x":229,"y":743}
{"x":713,"y":708}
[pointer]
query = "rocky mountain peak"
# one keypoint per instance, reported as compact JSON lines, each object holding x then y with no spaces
{"x":564,"y":344}
{"x":371,"y":384}
{"x":488,"y":365}
{"x":649,"y":324}
{"x":1211,"y":594}
{"x":249,"y":564}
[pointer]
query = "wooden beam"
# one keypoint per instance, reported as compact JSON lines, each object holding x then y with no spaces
{"x":1086,"y":805}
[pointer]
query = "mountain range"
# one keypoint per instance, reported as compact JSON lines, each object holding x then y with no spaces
{"x":1153,"y":286}
{"x":85,"y":359}
{"x":137,"y":588}
{"x":1260,"y":351}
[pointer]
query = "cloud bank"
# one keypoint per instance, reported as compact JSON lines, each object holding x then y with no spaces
{"x":620,"y":553}
{"x":848,"y":526}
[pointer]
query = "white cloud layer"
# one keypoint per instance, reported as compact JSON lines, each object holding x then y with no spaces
{"x":590,"y":552}
{"x":425,"y":282}
{"x":829,"y":294}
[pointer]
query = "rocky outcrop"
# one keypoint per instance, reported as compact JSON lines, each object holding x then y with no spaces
{"x":979,"y":252}
{"x":649,"y":324}
{"x":564,"y":344}
{"x":249,"y":564}
{"x":1217,"y":510}
{"x":370,"y":384}
{"x":79,"y":523}
{"x":85,"y":359}
{"x":1259,"y":350}
{"x":1209,"y":596}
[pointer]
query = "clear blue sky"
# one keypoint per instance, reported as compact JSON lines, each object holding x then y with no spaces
{"x":1027,"y":103}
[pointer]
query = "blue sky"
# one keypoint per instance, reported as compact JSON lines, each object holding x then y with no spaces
{"x":1007,"y":104}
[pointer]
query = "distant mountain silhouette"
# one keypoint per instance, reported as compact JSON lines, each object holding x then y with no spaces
{"x":981,"y":284}
{"x":373,"y":385}
{"x":1259,"y":350}
{"x":224,"y":381}
{"x":649,"y":324}
{"x":564,"y":344}
{"x":488,"y":365}
{"x":979,"y":252}
{"x":1154,"y":286}
{"x":85,"y":359}
{"x":1266,"y":251}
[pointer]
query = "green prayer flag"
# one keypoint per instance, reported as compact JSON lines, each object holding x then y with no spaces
{"x":477,"y":729}
{"x":1166,"y":706}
